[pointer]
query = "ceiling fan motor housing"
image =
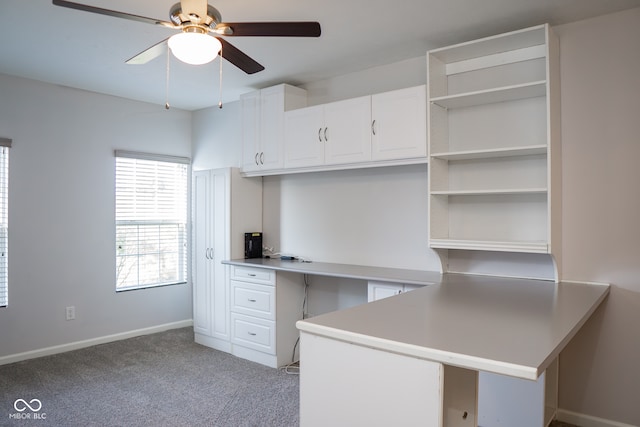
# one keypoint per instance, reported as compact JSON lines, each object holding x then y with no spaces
{"x":178,"y":17}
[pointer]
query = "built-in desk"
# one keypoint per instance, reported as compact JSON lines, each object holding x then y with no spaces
{"x":347,"y":271}
{"x":414,"y":358}
{"x":266,"y":296}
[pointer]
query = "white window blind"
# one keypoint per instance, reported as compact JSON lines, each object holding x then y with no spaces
{"x":4,"y":221}
{"x":151,"y":220}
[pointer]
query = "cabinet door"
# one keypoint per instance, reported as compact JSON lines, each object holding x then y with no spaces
{"x":202,"y":323}
{"x":271,"y":127}
{"x":408,"y":288}
{"x":379,"y":290}
{"x":250,"y":106}
{"x":347,"y":131}
{"x":399,"y":124}
{"x":304,"y":139}
{"x":220,"y":210}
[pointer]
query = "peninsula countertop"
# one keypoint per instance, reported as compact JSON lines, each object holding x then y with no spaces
{"x":507,"y":326}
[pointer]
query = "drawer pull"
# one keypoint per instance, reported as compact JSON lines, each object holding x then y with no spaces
{"x":251,"y":300}
{"x":252,"y":334}
{"x":251,"y":274}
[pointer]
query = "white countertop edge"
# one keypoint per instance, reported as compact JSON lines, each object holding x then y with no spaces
{"x":440,"y":356}
{"x":569,"y":336}
{"x":364,"y":272}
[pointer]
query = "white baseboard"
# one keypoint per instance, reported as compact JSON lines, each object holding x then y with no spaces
{"x":47,"y":351}
{"x":583,"y":420}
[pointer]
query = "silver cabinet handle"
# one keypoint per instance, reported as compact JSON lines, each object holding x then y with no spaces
{"x":373,"y":127}
{"x":251,"y":300}
{"x":255,"y":158}
{"x":251,"y":274}
{"x":325,"y":135}
{"x":206,"y":253}
{"x":320,"y":135}
{"x":262,"y":158}
{"x":252,"y":334}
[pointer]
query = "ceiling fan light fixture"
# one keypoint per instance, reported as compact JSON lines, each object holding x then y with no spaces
{"x":194,"y":48}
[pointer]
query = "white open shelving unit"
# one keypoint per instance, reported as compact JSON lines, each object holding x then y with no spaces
{"x":494,"y":144}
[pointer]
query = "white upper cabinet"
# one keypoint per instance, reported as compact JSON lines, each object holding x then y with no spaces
{"x":281,"y":135}
{"x":494,"y":144}
{"x":263,"y":125}
{"x":399,"y":124}
{"x":251,"y":148}
{"x":304,"y":143}
{"x":334,"y":133}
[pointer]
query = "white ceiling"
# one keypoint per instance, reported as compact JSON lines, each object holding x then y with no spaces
{"x":87,"y":51}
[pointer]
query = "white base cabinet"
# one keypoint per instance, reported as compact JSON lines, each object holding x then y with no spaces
{"x":379,"y":290}
{"x":507,"y":401}
{"x":342,"y":384}
{"x":265,"y":306}
{"x":224,"y":207}
{"x":397,"y":389}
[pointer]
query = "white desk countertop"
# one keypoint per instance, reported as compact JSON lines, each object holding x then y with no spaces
{"x":507,"y":326}
{"x":348,"y":271}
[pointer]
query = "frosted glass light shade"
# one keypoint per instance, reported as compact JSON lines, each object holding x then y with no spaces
{"x":194,"y":48}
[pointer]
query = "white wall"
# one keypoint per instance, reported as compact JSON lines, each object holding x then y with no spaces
{"x":600,"y":73}
{"x":373,"y":216}
{"x":600,"y":65}
{"x":61,"y":213}
{"x":217,"y":137}
{"x":399,"y":75}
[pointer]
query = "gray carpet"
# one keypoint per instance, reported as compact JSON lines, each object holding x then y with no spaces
{"x":156,"y":380}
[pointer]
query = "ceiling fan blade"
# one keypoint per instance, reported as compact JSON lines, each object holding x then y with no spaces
{"x":147,"y":55}
{"x":239,"y":58}
{"x":194,"y":7}
{"x":108,"y":12}
{"x":270,"y":29}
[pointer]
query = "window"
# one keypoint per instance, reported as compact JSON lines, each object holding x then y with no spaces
{"x":151,"y":220}
{"x":5,"y":144}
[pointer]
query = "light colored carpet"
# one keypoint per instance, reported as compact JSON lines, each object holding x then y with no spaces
{"x":157,"y":380}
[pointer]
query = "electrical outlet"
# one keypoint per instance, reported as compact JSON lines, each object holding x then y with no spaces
{"x":71,"y":313}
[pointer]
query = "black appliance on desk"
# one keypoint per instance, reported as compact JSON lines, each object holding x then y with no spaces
{"x":253,"y":245}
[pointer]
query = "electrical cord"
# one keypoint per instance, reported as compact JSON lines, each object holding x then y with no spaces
{"x":293,"y":368}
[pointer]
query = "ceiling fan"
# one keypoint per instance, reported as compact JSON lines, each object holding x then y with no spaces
{"x":196,"y":19}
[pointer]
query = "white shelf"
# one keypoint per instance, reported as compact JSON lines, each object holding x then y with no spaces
{"x":492,"y":45}
{"x":493,"y":191}
{"x":495,"y":157}
{"x":492,"y":153}
{"x":488,"y":245}
{"x":490,"y":96}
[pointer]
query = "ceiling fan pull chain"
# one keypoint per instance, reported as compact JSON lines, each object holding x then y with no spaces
{"x":220,"y":90}
{"x":166,"y":89}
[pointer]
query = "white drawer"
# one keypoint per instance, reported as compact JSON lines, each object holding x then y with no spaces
{"x":257,"y":275}
{"x":253,"y":299}
{"x":252,"y":332}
